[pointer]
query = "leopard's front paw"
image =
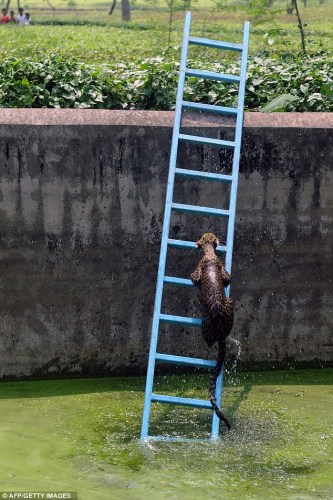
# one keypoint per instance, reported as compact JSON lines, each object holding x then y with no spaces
{"x":195,"y":279}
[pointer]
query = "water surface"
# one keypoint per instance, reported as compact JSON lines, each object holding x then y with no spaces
{"x":82,"y":435}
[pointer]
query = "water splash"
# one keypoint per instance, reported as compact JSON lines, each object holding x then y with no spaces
{"x":237,"y":357}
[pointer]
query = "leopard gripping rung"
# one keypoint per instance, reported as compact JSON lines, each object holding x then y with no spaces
{"x":209,"y":176}
{"x":209,"y":75}
{"x":195,"y":209}
{"x":195,"y":403}
{"x":180,"y":320}
{"x":191,"y":244}
{"x":195,"y":139}
{"x":215,"y":44}
{"x":184,"y":361}
{"x":172,"y":280}
{"x":209,"y":108}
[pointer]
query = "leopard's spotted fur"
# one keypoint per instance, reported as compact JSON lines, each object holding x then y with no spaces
{"x":218,"y":312}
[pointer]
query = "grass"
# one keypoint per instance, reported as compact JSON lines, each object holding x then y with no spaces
{"x":82,"y":435}
{"x":105,"y":38}
{"x":94,"y":45}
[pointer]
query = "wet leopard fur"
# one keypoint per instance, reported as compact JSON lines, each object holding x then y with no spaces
{"x":218,"y":312}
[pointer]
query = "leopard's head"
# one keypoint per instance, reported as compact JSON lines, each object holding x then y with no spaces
{"x":208,"y":239}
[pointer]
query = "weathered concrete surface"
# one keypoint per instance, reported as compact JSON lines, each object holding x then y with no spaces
{"x":81,"y":203}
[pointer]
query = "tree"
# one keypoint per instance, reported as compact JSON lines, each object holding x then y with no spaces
{"x":174,"y":5}
{"x":170,"y":6}
{"x":112,"y":7}
{"x":300,"y":25}
{"x":125,"y":9}
{"x":50,"y":5}
{"x":8,"y":4}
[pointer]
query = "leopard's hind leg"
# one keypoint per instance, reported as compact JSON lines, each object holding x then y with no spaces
{"x":208,"y":331}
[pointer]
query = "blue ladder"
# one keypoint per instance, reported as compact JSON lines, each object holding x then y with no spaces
{"x":170,"y":206}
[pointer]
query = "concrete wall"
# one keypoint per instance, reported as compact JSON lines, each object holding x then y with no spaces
{"x":81,"y":204}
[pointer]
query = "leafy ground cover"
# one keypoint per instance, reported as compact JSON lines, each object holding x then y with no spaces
{"x":304,"y":84}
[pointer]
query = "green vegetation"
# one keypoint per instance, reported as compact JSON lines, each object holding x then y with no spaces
{"x":85,"y":58}
{"x":82,"y":435}
{"x":303,"y":85}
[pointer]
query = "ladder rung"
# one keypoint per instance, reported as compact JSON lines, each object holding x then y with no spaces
{"x":178,"y":438}
{"x":197,"y":106}
{"x":206,"y":42}
{"x":206,"y":140}
{"x":184,"y":361}
{"x":181,"y":243}
{"x":209,"y":75}
{"x":209,"y":176}
{"x":180,"y":320}
{"x":218,"y":212}
{"x":191,"y":244}
{"x":171,"y":280}
{"x":196,"y":403}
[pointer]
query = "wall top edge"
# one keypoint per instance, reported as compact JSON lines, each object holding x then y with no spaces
{"x":45,"y":117}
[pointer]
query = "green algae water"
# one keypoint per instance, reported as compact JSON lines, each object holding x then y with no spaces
{"x":82,"y":435}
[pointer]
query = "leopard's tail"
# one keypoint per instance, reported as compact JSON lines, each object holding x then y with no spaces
{"x":212,"y":386}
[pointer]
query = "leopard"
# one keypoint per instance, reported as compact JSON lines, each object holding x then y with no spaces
{"x":211,"y":278}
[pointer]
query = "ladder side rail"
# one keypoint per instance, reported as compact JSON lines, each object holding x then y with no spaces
{"x":233,"y":198}
{"x":218,"y":395}
{"x":236,"y":157}
{"x":165,"y":231}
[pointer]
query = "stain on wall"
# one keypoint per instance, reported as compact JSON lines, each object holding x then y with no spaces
{"x":81,"y":209}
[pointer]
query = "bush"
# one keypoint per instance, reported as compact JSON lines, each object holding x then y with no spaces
{"x":304,"y":84}
{"x":306,"y":79}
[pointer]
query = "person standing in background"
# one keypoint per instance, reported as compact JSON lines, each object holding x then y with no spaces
{"x":4,"y":19}
{"x":21,"y":17}
{"x":12,"y":17}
